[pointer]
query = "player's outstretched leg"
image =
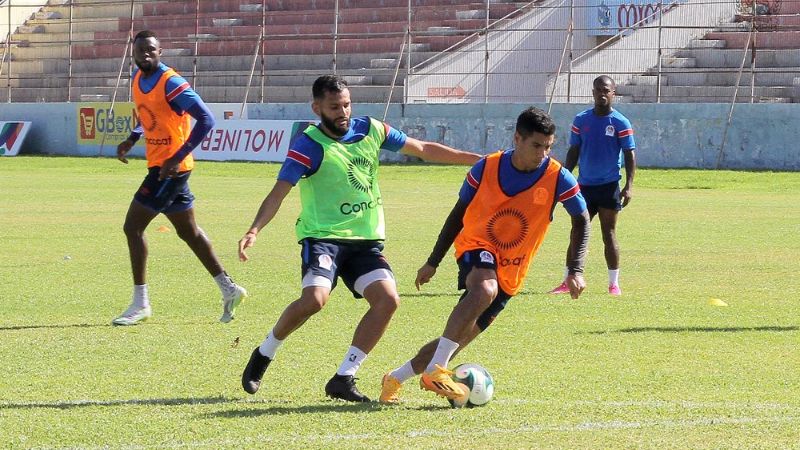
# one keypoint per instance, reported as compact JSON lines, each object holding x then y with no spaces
{"x":254,"y":371}
{"x":390,"y":390}
{"x":344,"y":387}
{"x":440,"y":382}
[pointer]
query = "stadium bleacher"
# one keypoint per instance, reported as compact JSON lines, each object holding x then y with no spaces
{"x":298,"y":44}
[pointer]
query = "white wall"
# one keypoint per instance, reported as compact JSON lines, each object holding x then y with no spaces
{"x":520,"y":61}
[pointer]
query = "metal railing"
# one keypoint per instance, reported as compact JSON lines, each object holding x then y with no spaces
{"x":413,"y":51}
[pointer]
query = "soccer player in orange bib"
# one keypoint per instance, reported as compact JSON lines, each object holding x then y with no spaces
{"x":503,"y":212}
{"x":165,"y":104}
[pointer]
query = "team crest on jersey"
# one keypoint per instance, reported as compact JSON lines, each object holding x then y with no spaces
{"x":610,"y":130}
{"x":507,"y":228}
{"x":361,"y":173}
{"x":540,"y":196}
{"x":146,"y":117}
{"x":325,"y":262}
{"x":487,"y":257}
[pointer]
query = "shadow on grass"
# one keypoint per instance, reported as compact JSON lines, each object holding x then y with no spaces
{"x":70,"y":325}
{"x":97,"y":325}
{"x":429,"y":294}
{"x":332,"y":406}
{"x":147,"y":402}
{"x":695,"y":330}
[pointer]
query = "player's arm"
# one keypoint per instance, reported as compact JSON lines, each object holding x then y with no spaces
{"x":269,"y":207}
{"x":576,"y":253}
{"x":452,"y":226}
{"x":572,"y":157}
{"x":440,"y":153}
{"x":630,"y":170}
{"x":204,"y":122}
{"x":570,"y":196}
{"x":125,"y":146}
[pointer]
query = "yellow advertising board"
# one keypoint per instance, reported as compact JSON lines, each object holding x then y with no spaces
{"x":99,"y":123}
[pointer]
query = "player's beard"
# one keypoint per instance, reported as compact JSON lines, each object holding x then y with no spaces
{"x":333,"y":126}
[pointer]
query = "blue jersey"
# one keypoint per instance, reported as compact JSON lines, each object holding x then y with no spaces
{"x":513,"y":181}
{"x":305,"y":154}
{"x":602,"y":139}
{"x":182,"y":99}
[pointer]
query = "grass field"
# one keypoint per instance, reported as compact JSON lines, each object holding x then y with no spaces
{"x":657,"y":368}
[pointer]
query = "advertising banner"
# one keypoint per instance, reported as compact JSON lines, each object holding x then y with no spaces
{"x":249,"y":140}
{"x":609,"y":17}
{"x":99,"y":123}
{"x":230,"y":140}
{"x":12,"y":135}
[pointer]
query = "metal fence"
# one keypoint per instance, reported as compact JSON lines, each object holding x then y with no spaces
{"x":410,"y":51}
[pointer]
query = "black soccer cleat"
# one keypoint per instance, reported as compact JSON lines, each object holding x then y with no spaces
{"x":254,"y":371}
{"x":344,"y":388}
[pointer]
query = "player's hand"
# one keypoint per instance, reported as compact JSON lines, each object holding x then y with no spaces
{"x":576,"y":284}
{"x":625,"y":196}
{"x":169,"y":169}
{"x":123,"y":148}
{"x":424,"y":274}
{"x":246,"y":242}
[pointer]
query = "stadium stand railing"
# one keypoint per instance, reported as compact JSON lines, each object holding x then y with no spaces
{"x":413,"y":51}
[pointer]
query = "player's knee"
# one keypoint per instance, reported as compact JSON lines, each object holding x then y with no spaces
{"x":132,"y":231}
{"x":389,"y":303}
{"x":484,"y":291}
{"x":312,"y":303}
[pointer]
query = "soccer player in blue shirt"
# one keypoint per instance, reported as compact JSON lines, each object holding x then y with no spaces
{"x":165,"y":102}
{"x":601,"y":138}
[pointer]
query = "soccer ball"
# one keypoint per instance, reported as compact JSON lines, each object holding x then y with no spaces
{"x":479,"y":382}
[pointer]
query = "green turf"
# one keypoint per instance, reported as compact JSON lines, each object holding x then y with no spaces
{"x":656,"y":368}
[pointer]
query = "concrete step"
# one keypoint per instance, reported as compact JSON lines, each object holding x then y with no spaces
{"x":706,"y":43}
{"x":270,"y":47}
{"x":185,"y":64}
{"x":764,"y":39}
{"x":78,"y":25}
{"x":701,"y":94}
{"x":90,"y":10}
{"x":727,"y":77}
{"x":728,"y":57}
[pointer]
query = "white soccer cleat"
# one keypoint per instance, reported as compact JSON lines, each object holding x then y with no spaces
{"x":133,"y":315}
{"x":230,"y":300}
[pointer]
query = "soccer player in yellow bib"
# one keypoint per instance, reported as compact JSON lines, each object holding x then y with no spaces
{"x":498,"y":223}
{"x":164,"y":104}
{"x":340,"y":228}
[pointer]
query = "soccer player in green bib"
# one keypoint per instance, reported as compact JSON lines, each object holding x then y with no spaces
{"x":341,"y":226}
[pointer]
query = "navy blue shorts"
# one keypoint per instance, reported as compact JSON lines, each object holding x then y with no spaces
{"x":170,"y":195}
{"x":482,"y":259}
{"x":358,"y":263}
{"x":602,"y":196}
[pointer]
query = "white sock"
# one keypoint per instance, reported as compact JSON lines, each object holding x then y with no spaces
{"x":566,"y":273}
{"x":224,"y":282}
{"x":444,"y":351}
{"x":270,"y":346}
{"x":352,"y":361}
{"x":403,"y":372}
{"x":613,"y":277}
{"x":140,"y":297}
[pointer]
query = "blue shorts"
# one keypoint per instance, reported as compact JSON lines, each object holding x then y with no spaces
{"x":358,"y":263}
{"x":604,"y":196}
{"x":482,"y":259}
{"x":170,"y":195}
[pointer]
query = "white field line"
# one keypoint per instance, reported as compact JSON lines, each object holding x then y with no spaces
{"x":527,"y":429}
{"x":791,"y":414}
